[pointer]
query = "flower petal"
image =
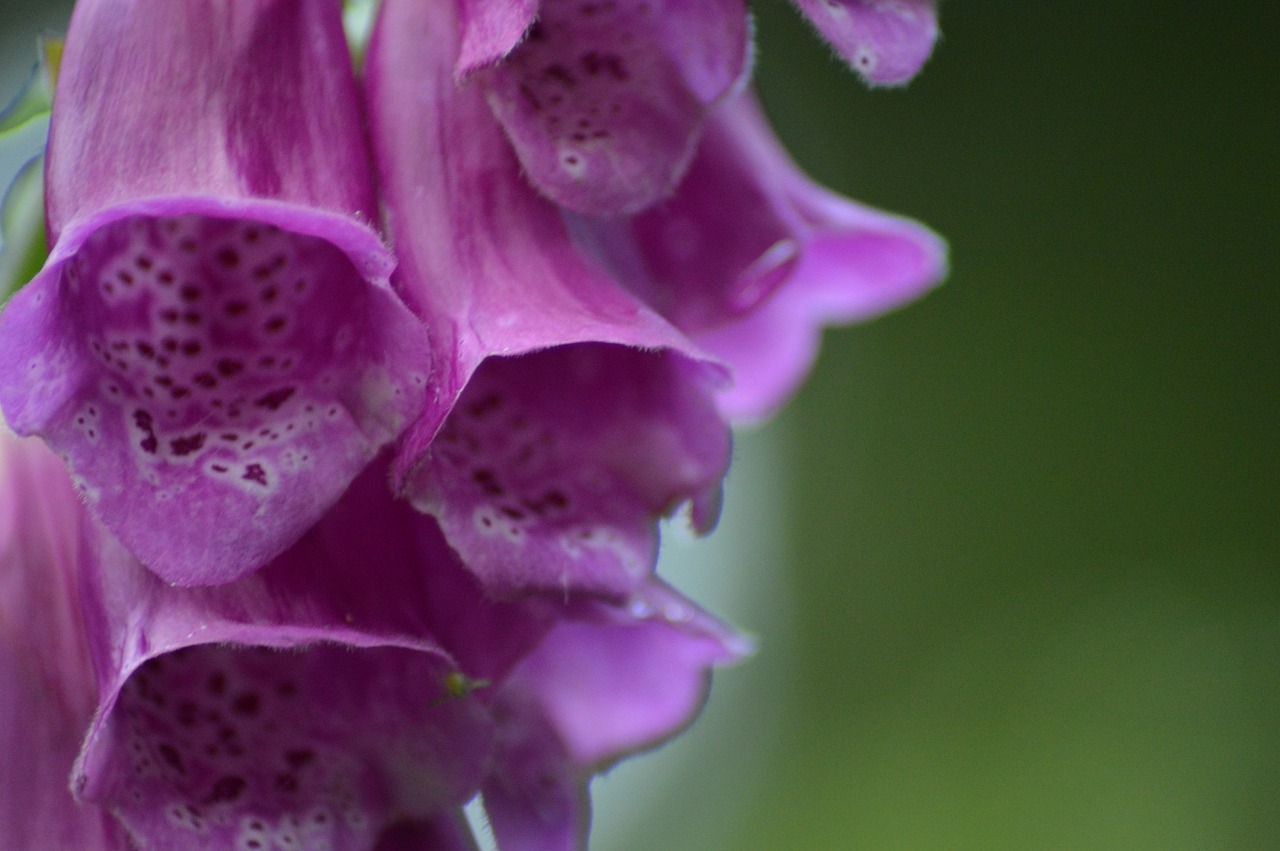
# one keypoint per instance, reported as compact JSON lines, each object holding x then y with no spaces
{"x":491,"y":268}
{"x":491,"y":29}
{"x":612,"y":681}
{"x":212,"y":346}
{"x":210,"y":734}
{"x":46,"y":682}
{"x":540,"y":490}
{"x":604,"y":101}
{"x":752,"y":258}
{"x":886,"y":41}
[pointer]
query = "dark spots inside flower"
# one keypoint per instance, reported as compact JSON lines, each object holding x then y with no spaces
{"x":487,"y":404}
{"x":165,"y":278}
{"x":226,"y":789}
{"x":204,"y":380}
{"x":255,"y":473}
{"x":287,"y":783}
{"x":246,"y":703}
{"x":171,"y":756}
{"x":269,"y":294}
{"x":229,"y":368}
{"x":217,"y":684}
{"x":559,"y":74}
{"x":144,"y":262}
{"x":189,"y":245}
{"x":145,"y":349}
{"x":273,"y":400}
{"x":164,"y":381}
{"x":228,"y":257}
{"x":297,"y":758}
{"x":126,"y":278}
{"x":190,"y":293}
{"x":169,"y":344}
{"x":235,"y":308}
{"x":188,"y":444}
{"x":286,"y":689}
{"x":251,"y":235}
{"x":191,"y":348}
{"x":146,"y":424}
{"x":179,"y":393}
{"x":275,"y":323}
{"x":191,"y":317}
{"x":487,"y":481}
{"x":594,"y":63}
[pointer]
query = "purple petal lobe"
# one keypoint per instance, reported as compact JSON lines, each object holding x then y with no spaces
{"x":886,"y":41}
{"x":751,"y":258}
{"x":222,"y":746}
{"x":212,"y":345}
{"x":604,"y":101}
{"x":553,"y":468}
{"x":214,"y":383}
{"x":309,"y":704}
{"x":535,"y":798}
{"x":630,"y":676}
{"x":491,"y":29}
{"x":46,"y":682}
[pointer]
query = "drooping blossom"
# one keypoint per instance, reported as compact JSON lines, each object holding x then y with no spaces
{"x":307,"y":705}
{"x":611,"y":682}
{"x":342,"y":697}
{"x":604,"y":102}
{"x":751,"y":259}
{"x":212,"y":345}
{"x":585,"y":416}
{"x":46,"y":680}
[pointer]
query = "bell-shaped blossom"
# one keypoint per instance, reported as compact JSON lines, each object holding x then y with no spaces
{"x":610,"y":682}
{"x":885,"y":41}
{"x":312,"y":704}
{"x":604,"y":102}
{"x":213,"y":345}
{"x":752,"y":259}
{"x":46,"y":680}
{"x":585,"y":416}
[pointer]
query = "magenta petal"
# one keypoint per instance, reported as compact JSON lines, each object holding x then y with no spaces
{"x":535,"y":798}
{"x":313,"y":702}
{"x":491,"y":29}
{"x":46,"y":682}
{"x":491,"y":268}
{"x":886,"y":41}
{"x":752,"y":259}
{"x":604,"y":101}
{"x":627,"y":677}
{"x":212,"y":346}
{"x":614,"y":680}
{"x":551,"y":472}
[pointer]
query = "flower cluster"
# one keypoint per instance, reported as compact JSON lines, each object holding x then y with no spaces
{"x":362,"y":397}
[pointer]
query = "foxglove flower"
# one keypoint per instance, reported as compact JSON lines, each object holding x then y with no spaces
{"x":212,"y":345}
{"x":46,"y":681}
{"x":313,"y":704}
{"x":610,"y":682}
{"x":604,"y":102}
{"x":751,"y":258}
{"x":885,"y":41}
{"x":585,"y":416}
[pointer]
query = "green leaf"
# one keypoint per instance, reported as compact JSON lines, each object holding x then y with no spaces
{"x":23,"y":248}
{"x":36,"y":98}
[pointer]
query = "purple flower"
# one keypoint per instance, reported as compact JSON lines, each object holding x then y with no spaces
{"x":46,"y":681}
{"x":613,"y":681}
{"x":604,"y":102}
{"x":751,"y":259}
{"x":213,"y":346}
{"x":312,"y":704}
{"x":585,"y":416}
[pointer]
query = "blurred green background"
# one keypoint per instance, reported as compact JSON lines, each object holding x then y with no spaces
{"x":1032,"y":520}
{"x":1029,"y":594}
